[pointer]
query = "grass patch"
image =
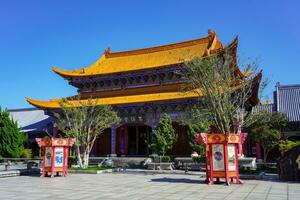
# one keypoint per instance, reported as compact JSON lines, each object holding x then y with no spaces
{"x":95,"y":168}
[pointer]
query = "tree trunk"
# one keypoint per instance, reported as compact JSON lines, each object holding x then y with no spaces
{"x":86,"y":159}
{"x":78,"y":156}
{"x":265,"y":155}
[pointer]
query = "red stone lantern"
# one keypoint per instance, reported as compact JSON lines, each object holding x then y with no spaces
{"x":55,"y":158}
{"x":221,"y":155}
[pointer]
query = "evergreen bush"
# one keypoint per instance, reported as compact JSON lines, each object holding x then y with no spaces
{"x":11,"y":137}
{"x":164,"y":136}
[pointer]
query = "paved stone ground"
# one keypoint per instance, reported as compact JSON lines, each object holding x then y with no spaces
{"x":140,"y":186}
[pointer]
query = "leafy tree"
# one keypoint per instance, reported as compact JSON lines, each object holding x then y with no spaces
{"x":11,"y":137}
{"x":84,"y":121}
{"x":164,"y":136}
{"x":222,"y":91}
{"x":286,"y":145}
{"x":199,"y":123}
{"x":266,"y":128}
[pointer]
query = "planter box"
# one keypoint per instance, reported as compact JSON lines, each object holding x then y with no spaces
{"x":160,"y":166}
{"x":247,"y":163}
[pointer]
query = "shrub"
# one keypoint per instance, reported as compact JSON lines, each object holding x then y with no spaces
{"x":11,"y":137}
{"x":198,"y":159}
{"x":165,"y":159}
{"x":164,"y":136}
{"x":27,"y":153}
{"x":288,"y":145}
{"x":72,"y":160}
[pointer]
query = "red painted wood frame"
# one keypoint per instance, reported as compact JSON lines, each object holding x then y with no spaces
{"x":53,"y":143}
{"x":225,"y":140}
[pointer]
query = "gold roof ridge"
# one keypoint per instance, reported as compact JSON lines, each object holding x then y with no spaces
{"x":147,"y":58}
{"x":159,"y":48}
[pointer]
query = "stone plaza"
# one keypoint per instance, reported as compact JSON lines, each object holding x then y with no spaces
{"x":141,"y":186}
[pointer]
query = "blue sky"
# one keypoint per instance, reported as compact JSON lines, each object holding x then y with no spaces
{"x":36,"y":35}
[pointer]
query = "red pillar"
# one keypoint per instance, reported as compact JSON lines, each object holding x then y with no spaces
{"x":258,"y":152}
{"x":52,"y":161}
{"x":225,"y":151}
{"x":238,"y":181}
{"x":125,"y":140}
{"x":113,"y":141}
{"x":55,"y":131}
{"x":211,"y":166}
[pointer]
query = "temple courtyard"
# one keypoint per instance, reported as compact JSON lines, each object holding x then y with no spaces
{"x":141,"y":186}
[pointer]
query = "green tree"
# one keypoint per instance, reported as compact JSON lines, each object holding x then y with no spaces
{"x":286,"y":145}
{"x":221,"y":90}
{"x":266,"y":129}
{"x":11,"y":137}
{"x":84,"y":121}
{"x":199,"y":123}
{"x":164,"y":136}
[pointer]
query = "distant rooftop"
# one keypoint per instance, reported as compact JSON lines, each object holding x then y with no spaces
{"x":31,"y":119}
{"x":286,"y":100}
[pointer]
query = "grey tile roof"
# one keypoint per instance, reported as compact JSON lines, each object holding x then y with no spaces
{"x":287,"y":101}
{"x":31,"y":119}
{"x":269,"y":107}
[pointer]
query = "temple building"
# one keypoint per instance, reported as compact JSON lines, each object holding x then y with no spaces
{"x":141,"y":85}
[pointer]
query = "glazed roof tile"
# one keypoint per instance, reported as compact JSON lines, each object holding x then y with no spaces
{"x":154,"y":57}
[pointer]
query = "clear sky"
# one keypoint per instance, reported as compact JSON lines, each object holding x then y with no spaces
{"x":36,"y":35}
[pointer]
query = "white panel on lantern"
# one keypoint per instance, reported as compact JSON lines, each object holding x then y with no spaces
{"x":218,"y":157}
{"x":59,"y":158}
{"x":48,"y":156}
{"x":231,"y":157}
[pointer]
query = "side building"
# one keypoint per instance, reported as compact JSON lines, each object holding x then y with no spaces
{"x":141,"y":85}
{"x":35,"y":123}
{"x":286,"y":99}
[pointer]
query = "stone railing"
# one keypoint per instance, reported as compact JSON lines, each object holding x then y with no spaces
{"x":7,"y":164}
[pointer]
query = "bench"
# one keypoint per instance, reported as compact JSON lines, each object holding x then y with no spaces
{"x":183,"y":162}
{"x":247,"y":163}
{"x":160,"y":166}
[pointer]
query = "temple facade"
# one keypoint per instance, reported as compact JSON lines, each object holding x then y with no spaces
{"x":141,"y":85}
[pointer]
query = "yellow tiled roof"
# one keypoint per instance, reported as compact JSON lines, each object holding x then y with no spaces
{"x":119,"y":100}
{"x":155,"y":57}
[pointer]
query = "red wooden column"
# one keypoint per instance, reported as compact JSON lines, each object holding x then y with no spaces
{"x":225,"y":150}
{"x":238,"y":181}
{"x":258,"y":152}
{"x":113,"y":141}
{"x":55,"y":131}
{"x":207,"y":162}
{"x":125,"y":140}
{"x":211,"y":166}
{"x":52,"y":161}
{"x":44,"y":163}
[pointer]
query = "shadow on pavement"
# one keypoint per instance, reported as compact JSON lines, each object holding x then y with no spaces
{"x":178,"y":180}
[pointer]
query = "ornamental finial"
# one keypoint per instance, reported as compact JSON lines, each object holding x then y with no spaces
{"x":210,"y":32}
{"x":107,"y":51}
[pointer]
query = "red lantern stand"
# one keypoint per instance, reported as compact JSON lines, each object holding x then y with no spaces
{"x":55,"y":158}
{"x":221,"y":155}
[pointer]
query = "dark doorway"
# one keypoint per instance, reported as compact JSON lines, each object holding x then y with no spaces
{"x":132,"y":140}
{"x":138,"y":136}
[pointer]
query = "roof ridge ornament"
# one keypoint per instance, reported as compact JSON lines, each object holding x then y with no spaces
{"x":211,"y":32}
{"x":107,"y":51}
